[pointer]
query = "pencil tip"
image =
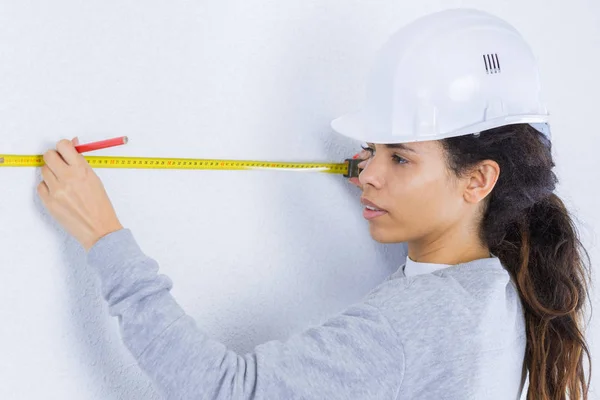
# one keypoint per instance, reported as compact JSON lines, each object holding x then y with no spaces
{"x":125,"y":139}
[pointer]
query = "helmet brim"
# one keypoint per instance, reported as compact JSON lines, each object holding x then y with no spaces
{"x":350,"y":125}
{"x":353,"y":125}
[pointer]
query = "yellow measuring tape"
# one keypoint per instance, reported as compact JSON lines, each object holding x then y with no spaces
{"x":349,"y":168}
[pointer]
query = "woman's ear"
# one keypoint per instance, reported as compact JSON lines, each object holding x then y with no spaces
{"x":481,"y":180}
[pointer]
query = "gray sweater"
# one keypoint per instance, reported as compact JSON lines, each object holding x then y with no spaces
{"x":455,"y":333}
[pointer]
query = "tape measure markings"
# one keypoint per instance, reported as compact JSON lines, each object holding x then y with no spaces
{"x":346,"y":168}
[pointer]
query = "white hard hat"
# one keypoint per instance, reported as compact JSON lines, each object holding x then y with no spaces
{"x":450,"y":73}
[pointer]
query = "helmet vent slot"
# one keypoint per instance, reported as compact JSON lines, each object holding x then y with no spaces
{"x":492,"y":63}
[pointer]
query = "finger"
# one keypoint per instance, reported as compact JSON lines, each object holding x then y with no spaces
{"x":75,"y":141}
{"x":354,"y":181}
{"x":49,"y":178}
{"x":68,"y":152}
{"x":43,"y":191}
{"x":56,"y":163}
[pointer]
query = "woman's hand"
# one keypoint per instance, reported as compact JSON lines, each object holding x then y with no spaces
{"x":75,"y":196}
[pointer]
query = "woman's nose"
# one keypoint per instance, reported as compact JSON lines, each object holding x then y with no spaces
{"x":368,"y":176}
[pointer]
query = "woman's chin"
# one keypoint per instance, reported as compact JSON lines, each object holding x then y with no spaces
{"x":383,"y":235}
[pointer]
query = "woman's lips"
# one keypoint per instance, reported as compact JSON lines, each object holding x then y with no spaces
{"x":370,"y":214}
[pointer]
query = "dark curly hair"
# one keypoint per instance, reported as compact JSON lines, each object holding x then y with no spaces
{"x":527,"y":226}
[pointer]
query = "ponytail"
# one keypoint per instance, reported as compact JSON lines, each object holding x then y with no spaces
{"x":543,"y":254}
{"x":530,"y":230}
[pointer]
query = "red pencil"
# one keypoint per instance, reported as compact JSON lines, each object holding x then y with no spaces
{"x":102,"y":144}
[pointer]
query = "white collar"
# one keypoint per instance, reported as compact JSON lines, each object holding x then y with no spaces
{"x":412,"y":268}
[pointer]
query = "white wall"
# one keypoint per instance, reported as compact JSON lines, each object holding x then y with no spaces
{"x":254,"y":255}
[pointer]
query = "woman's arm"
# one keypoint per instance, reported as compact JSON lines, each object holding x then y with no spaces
{"x":353,"y":355}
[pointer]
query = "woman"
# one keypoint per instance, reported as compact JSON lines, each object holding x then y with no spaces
{"x":494,"y":282}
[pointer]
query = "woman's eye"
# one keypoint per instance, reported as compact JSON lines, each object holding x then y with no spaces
{"x":397,"y":159}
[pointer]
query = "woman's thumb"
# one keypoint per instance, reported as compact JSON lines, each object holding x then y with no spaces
{"x":354,"y":181}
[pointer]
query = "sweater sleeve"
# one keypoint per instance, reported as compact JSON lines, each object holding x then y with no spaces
{"x":353,"y":355}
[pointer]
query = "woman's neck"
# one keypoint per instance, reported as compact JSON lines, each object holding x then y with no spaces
{"x":450,"y":248}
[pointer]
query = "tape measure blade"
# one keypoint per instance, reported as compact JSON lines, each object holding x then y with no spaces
{"x":19,"y":160}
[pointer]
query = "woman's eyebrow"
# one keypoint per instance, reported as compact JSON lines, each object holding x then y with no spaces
{"x":400,"y":146}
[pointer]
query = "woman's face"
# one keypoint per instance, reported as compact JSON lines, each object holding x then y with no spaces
{"x":412,"y":182}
